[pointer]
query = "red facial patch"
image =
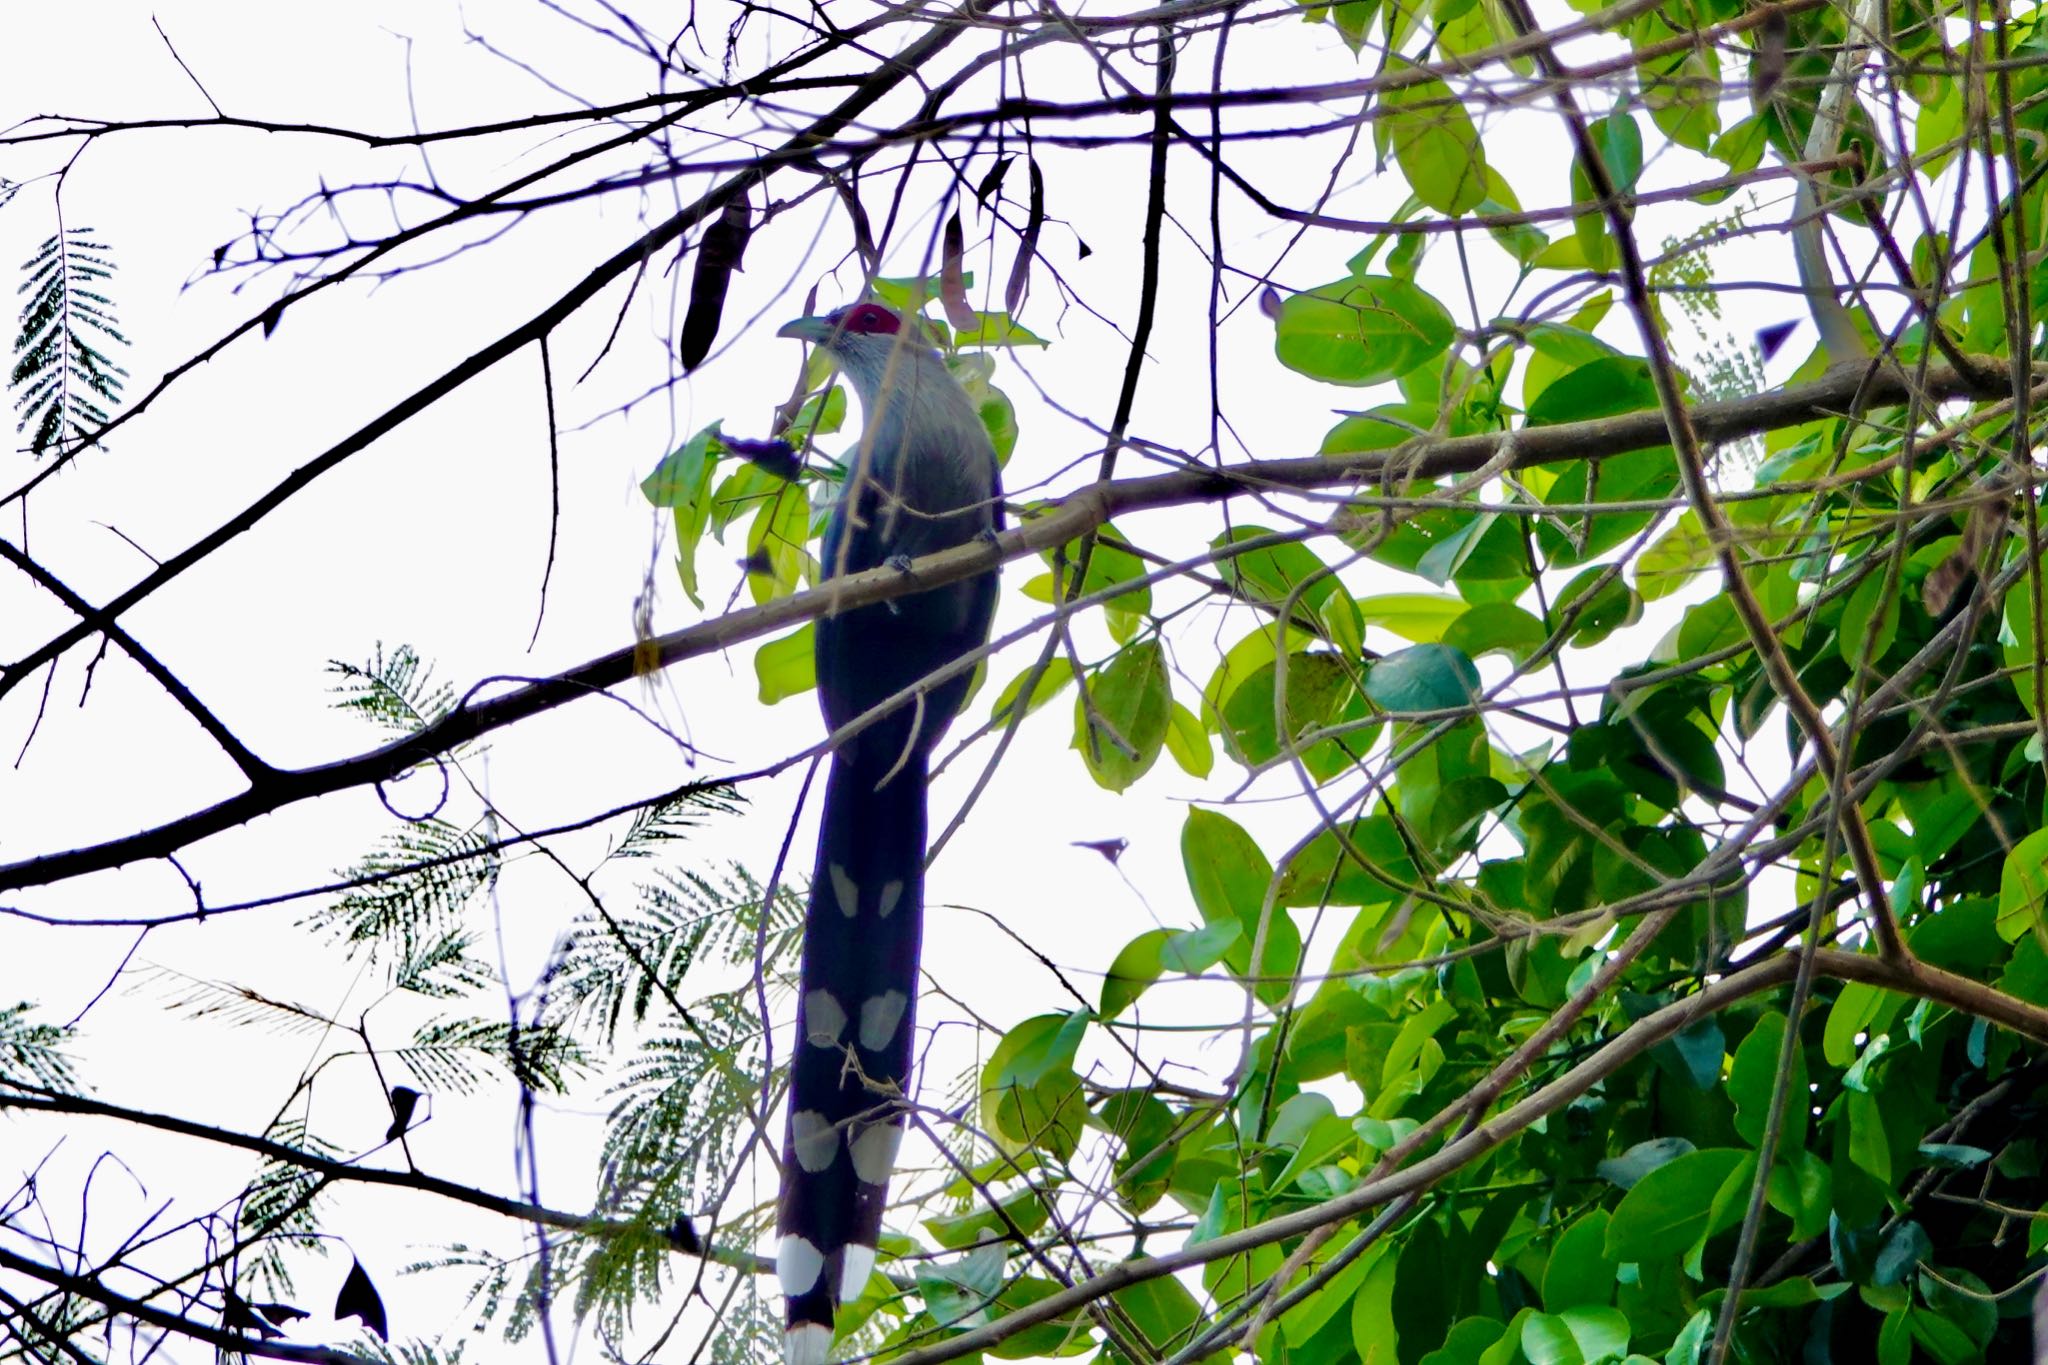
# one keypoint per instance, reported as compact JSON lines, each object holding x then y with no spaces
{"x":867,"y":319}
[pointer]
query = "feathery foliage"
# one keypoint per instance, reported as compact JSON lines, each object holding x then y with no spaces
{"x":65,"y":378}
{"x":31,"y":1053}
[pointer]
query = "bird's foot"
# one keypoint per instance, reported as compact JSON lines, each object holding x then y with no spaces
{"x":900,"y":563}
{"x":989,"y":535}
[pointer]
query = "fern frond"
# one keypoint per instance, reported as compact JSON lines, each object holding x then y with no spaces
{"x":654,"y":826}
{"x":64,"y":377}
{"x":280,"y":1210}
{"x":448,"y":1054}
{"x":237,"y":1006}
{"x":615,"y":967}
{"x":418,"y":883}
{"x":442,"y":967}
{"x":684,"y":1101}
{"x":397,"y":692}
{"x":32,"y":1053}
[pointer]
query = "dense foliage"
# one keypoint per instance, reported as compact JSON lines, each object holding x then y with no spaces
{"x":1653,"y":961}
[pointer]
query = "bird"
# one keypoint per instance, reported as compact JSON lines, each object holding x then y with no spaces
{"x":922,"y":478}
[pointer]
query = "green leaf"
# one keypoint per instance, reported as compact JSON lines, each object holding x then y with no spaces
{"x":787,"y":667}
{"x":1580,"y":1271}
{"x":776,"y":537}
{"x":910,"y":293}
{"x":2023,"y":889}
{"x":1188,"y":742}
{"x":1194,"y":951}
{"x":1131,"y":698}
{"x":1423,"y":678}
{"x":1619,"y":139}
{"x":1055,"y":677}
{"x":1870,"y":620}
{"x":1041,"y":1338}
{"x":1229,"y":875}
{"x":1670,"y":562}
{"x":960,"y":1294}
{"x":1605,"y":387}
{"x":1275,"y":574}
{"x":1136,"y":967}
{"x":1372,"y":1315}
{"x":1162,"y":1308}
{"x":1319,"y":692}
{"x":1025,"y":1208}
{"x":1668,"y":1208}
{"x":1436,"y":145}
{"x":1420,"y":617}
{"x":1752,"y":1077}
{"x":1030,"y":1096}
{"x":1638,"y":1161}
{"x":1851,"y":1013}
{"x":1497,"y":627}
{"x":682,"y":481}
{"x":1361,"y":331}
{"x":996,"y":329}
{"x":1584,"y":1334}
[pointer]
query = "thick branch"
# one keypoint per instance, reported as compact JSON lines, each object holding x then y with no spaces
{"x":1908,"y":978}
{"x":1062,"y":522}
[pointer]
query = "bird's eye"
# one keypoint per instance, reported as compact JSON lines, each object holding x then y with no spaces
{"x":869,"y":319}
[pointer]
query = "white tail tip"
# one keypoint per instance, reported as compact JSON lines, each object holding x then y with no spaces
{"x":806,"y":1344}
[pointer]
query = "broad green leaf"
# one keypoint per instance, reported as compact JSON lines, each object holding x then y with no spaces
{"x":1194,"y":951}
{"x":996,"y":329}
{"x":1419,"y":617}
{"x":1242,"y":661}
{"x":1228,"y":875}
{"x":1188,"y":742}
{"x":1753,"y":1075}
{"x":2023,"y":889}
{"x":1619,"y":139}
{"x":1870,"y":620}
{"x":1436,"y":145}
{"x":1380,"y":428}
{"x":1372,"y":1315}
{"x":1131,"y":699}
{"x":1162,"y":1308}
{"x":1667,"y":1209}
{"x":1026,"y":1209}
{"x":1423,"y":678}
{"x":682,"y":481}
{"x":1136,"y":967}
{"x":1638,"y":1161}
{"x":1854,"y":1008}
{"x":1361,"y":331}
{"x":1040,"y":1339}
{"x":1030,"y":1095}
{"x":960,"y":1293}
{"x":776,"y":539}
{"x":1052,"y":680}
{"x":1670,"y":561}
{"x":1319,"y":693}
{"x":1275,"y":574}
{"x":787,"y":666}
{"x":1577,"y":1336}
{"x":1497,"y":627}
{"x":821,"y":415}
{"x":1580,"y":1271}
{"x":910,"y":293}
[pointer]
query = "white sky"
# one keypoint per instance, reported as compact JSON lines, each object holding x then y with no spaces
{"x":436,"y":537}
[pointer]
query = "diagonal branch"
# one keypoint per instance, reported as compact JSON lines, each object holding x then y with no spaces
{"x":1061,"y":523}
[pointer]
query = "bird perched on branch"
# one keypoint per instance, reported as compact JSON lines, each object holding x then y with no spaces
{"x":922,"y":478}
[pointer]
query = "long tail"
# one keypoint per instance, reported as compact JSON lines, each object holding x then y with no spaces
{"x":855,"y":1014}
